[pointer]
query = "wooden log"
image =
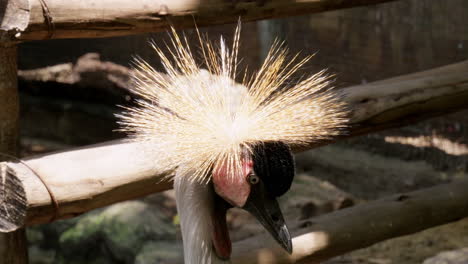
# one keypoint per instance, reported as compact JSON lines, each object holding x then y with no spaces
{"x":404,"y":100}
{"x":439,"y":91}
{"x":84,"y":179}
{"x":14,"y":19}
{"x":13,"y":246}
{"x":106,"y":18}
{"x":362,"y":225}
{"x":95,"y":176}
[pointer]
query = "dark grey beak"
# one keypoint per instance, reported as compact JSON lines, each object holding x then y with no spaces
{"x":268,"y":213}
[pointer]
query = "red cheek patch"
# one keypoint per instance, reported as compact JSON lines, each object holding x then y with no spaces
{"x":233,"y":186}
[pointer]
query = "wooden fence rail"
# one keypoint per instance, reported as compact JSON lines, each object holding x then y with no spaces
{"x":45,"y":19}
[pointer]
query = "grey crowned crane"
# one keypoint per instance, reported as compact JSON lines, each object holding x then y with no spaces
{"x":229,"y":141}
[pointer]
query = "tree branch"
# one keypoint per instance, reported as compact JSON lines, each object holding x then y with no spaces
{"x":106,"y":18}
{"x":99,"y":175}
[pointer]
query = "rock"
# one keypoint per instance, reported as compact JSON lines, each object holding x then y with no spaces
{"x":459,"y":256}
{"x":160,"y":252}
{"x":115,"y":235}
{"x":39,"y":255}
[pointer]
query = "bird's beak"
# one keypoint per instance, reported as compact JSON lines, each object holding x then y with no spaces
{"x":268,"y":213}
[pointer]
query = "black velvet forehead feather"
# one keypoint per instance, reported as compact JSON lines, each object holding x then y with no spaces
{"x":274,"y":164}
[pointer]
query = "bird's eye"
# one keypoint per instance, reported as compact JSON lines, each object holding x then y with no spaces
{"x":253,"y":179}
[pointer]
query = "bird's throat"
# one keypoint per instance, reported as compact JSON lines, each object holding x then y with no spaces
{"x":220,"y":235}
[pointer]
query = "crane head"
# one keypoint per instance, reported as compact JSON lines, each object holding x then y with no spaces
{"x":267,"y":173}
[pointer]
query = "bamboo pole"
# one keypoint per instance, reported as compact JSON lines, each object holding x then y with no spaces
{"x":99,"y":175}
{"x":106,"y":18}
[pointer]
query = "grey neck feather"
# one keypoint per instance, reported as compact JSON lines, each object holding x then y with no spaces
{"x":195,"y":208}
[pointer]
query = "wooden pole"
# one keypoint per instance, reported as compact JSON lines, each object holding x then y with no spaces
{"x":14,"y":17}
{"x":404,"y":100}
{"x":13,"y":245}
{"x":106,"y":18}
